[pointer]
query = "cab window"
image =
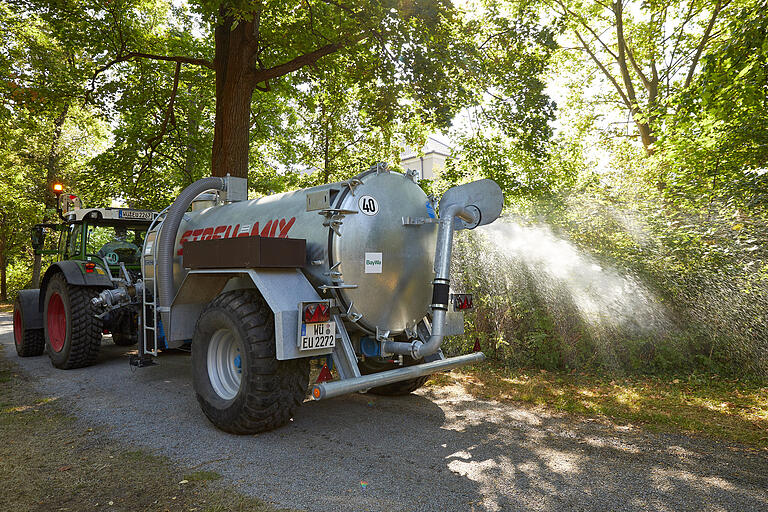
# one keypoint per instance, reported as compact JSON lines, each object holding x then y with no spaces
{"x":71,"y":239}
{"x":114,"y":244}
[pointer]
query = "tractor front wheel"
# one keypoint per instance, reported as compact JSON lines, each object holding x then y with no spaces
{"x":241,"y":386}
{"x":29,"y":342}
{"x":72,"y":331}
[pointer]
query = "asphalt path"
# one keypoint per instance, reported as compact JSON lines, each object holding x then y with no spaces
{"x":437,"y":450}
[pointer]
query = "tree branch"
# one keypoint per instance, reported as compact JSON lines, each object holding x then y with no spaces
{"x":604,"y":70}
{"x":154,"y":141}
{"x":621,"y":57}
{"x":124,"y":57}
{"x":179,"y":59}
{"x":304,"y":60}
{"x":643,"y":78}
{"x":583,"y":23}
{"x":703,"y":42}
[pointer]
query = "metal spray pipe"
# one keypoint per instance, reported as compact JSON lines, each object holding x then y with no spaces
{"x":441,"y":284}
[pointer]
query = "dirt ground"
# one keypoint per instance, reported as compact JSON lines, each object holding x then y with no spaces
{"x":441,"y":449}
{"x":49,"y":461}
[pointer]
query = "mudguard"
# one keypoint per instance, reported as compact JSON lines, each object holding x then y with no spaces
{"x":74,"y":276}
{"x":31,"y":311}
{"x":283,"y":289}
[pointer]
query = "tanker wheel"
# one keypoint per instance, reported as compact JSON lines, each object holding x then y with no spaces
{"x":241,"y":386}
{"x":72,"y":331}
{"x":29,"y":342}
{"x":401,"y":388}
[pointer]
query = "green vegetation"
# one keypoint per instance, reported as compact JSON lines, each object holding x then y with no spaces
{"x":66,"y":465}
{"x":199,"y":476}
{"x":630,"y":136}
{"x":708,"y":405}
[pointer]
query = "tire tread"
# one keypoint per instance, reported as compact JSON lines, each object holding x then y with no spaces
{"x":275,"y":388}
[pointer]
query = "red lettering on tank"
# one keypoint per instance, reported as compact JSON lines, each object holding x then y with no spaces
{"x":182,"y":242}
{"x":285,"y":227}
{"x":273,"y":228}
{"x":265,"y":231}
{"x":244,"y":231}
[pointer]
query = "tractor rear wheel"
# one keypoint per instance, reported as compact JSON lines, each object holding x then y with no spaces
{"x":401,"y":388}
{"x":29,"y":342}
{"x":241,"y":386}
{"x":72,"y":331}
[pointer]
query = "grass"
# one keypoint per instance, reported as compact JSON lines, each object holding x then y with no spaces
{"x":707,"y":405}
{"x":6,"y":308}
{"x":49,"y":461}
{"x":199,"y":476}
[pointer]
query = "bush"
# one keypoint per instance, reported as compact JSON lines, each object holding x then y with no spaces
{"x":593,"y":285}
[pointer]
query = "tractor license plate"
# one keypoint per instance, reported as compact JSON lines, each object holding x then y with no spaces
{"x":318,"y":335}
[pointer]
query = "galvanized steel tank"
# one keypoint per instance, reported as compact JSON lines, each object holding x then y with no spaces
{"x":358,"y":249}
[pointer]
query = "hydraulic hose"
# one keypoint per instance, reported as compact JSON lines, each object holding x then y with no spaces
{"x":441,"y":284}
{"x":166,"y":244}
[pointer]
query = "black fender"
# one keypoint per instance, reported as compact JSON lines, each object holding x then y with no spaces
{"x":74,"y":275}
{"x":31,"y":309}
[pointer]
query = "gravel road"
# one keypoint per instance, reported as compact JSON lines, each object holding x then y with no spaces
{"x":438,"y":450}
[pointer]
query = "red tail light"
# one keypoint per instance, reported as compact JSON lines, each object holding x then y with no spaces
{"x":462,"y":301}
{"x":316,"y":312}
{"x":89,"y":266}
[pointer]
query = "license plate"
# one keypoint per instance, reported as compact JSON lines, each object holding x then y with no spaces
{"x":319,"y":335}
{"x":136,"y":214}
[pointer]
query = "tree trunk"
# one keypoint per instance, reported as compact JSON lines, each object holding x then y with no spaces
{"x":646,"y":136}
{"x":193,"y":126}
{"x":235,"y":82}
{"x":37,"y":265}
{"x":52,"y":163}
{"x":3,"y":276}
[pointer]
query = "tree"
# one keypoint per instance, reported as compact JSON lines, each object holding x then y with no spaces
{"x":647,"y":51}
{"x":506,"y":135}
{"x":415,"y":50}
{"x":718,"y":149}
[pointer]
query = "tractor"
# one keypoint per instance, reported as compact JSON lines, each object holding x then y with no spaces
{"x":97,"y":249}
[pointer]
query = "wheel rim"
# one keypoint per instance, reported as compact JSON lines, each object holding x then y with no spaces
{"x":224,"y":364}
{"x":57,"y":322}
{"x":17,"y":327}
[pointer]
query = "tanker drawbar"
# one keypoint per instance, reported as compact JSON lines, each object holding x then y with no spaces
{"x":357,"y":272}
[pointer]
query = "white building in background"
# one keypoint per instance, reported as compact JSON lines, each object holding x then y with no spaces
{"x":431,"y":163}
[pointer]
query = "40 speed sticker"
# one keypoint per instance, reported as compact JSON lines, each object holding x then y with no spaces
{"x":368,"y":205}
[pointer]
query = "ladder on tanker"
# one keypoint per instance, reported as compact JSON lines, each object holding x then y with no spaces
{"x":149,"y":318}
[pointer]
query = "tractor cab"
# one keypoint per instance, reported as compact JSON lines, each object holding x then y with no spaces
{"x":110,"y":238}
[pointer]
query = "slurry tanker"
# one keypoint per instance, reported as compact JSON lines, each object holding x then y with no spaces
{"x":355,"y":272}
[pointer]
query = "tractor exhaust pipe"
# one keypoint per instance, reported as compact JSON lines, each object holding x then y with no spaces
{"x":324,"y":390}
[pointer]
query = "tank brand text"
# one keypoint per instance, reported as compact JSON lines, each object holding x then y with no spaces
{"x":277,"y":228}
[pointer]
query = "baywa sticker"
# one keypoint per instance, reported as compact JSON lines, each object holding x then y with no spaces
{"x":373,"y":263}
{"x":368,"y":205}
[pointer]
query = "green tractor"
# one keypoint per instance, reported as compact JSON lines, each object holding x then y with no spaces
{"x":97,"y":249}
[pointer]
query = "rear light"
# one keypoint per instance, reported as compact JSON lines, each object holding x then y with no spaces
{"x":315,"y":312}
{"x":462,"y":301}
{"x":89,"y":266}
